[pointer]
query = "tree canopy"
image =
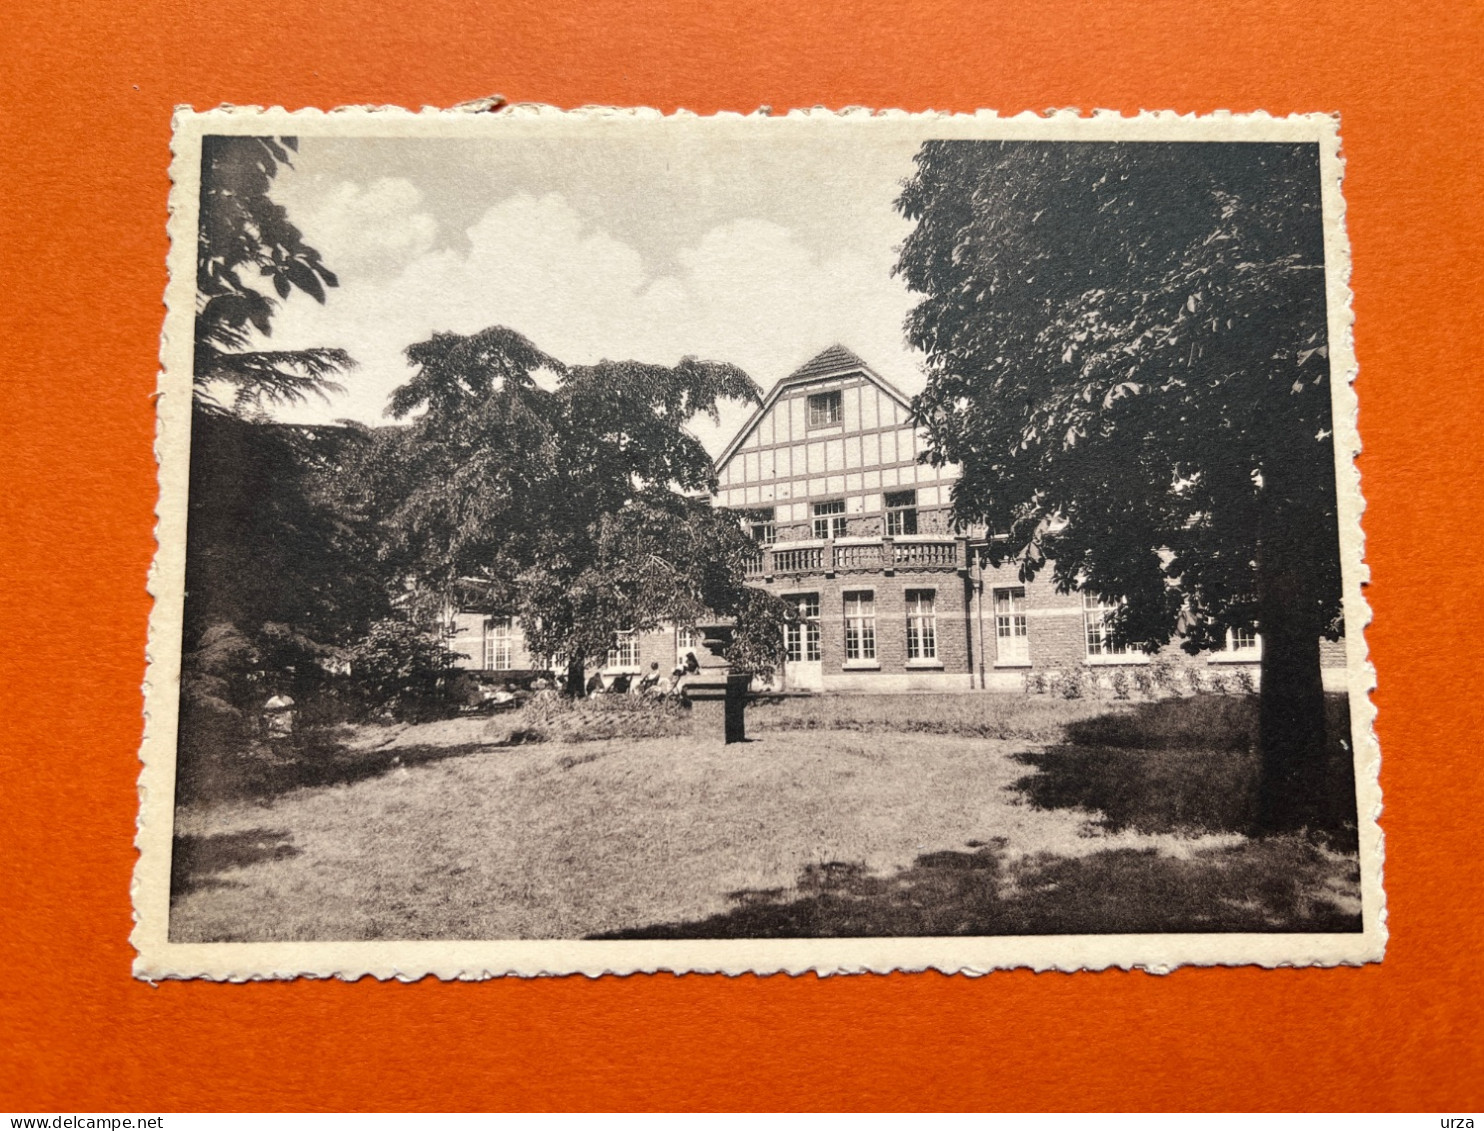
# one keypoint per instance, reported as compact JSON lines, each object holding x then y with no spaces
{"x":278,"y":575}
{"x":1126,"y":353}
{"x":574,"y":501}
{"x":245,"y":244}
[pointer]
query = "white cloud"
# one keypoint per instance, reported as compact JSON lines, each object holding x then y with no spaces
{"x":748,"y":292}
{"x":378,"y":228}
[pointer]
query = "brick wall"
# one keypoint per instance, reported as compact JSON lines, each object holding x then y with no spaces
{"x":468,"y":640}
{"x":890,"y":599}
{"x":1056,"y":641}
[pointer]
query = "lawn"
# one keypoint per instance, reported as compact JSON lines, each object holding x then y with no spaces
{"x":904,"y":815}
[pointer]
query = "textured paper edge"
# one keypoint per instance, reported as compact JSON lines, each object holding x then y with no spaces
{"x":158,"y":958}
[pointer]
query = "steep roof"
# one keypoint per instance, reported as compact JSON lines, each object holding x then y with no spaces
{"x":836,"y":361}
{"x":828,"y":362}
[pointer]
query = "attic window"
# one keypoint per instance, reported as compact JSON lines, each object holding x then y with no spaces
{"x":825,"y":409}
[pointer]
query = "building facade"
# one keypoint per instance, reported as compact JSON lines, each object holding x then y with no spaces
{"x":857,"y":535}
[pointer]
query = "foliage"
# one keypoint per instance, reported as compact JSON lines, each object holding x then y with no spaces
{"x":246,"y":243}
{"x":267,"y":542}
{"x":571,"y":501}
{"x":1126,"y":343}
{"x":1126,"y":352}
{"x":1008,"y":717}
{"x":552,"y":718}
{"x":399,"y":666}
{"x":278,"y":576}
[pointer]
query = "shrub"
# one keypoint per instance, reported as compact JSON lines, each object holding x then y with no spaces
{"x":1161,"y":674}
{"x":399,"y":667}
{"x":1071,"y":685}
{"x":552,"y":718}
{"x":981,"y":715}
{"x":1120,"y":684}
{"x":1244,"y":681}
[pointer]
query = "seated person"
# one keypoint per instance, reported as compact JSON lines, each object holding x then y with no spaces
{"x":650,"y":682}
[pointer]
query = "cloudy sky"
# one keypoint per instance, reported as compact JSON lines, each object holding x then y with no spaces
{"x":760,"y":254}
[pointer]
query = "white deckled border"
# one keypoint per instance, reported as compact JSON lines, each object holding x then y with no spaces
{"x":157,"y":957}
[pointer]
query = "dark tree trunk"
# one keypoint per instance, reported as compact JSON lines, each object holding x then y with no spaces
{"x":1291,"y":728}
{"x":576,"y":678}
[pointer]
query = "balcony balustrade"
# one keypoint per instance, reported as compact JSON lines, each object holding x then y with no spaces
{"x":805,"y":559}
{"x":926,"y":555}
{"x":884,"y":555}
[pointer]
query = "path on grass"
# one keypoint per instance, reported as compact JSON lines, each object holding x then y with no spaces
{"x":565,"y":841}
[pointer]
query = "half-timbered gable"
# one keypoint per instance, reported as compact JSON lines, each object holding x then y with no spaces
{"x":831,"y":454}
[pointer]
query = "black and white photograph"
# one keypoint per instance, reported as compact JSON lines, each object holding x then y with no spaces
{"x":601,"y":542}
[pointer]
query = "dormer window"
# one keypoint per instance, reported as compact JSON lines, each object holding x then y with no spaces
{"x":825,"y":409}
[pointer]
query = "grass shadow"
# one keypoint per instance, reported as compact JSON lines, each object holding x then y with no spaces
{"x":1152,"y":791}
{"x":197,"y":861}
{"x":262,"y":772}
{"x":1282,"y":884}
{"x":1182,"y":766}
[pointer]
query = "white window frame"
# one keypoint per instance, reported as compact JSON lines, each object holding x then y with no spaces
{"x":831,"y":409}
{"x":499,"y":644}
{"x":922,"y":626}
{"x":624,"y":655}
{"x":1232,"y":653}
{"x":831,"y":523}
{"x":1095,"y":612}
{"x":900,"y":515}
{"x":801,"y":638}
{"x":1011,"y":629}
{"x":860,"y":627}
{"x":764,"y":531}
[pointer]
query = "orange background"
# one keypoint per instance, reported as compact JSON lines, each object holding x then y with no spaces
{"x":88,"y":86}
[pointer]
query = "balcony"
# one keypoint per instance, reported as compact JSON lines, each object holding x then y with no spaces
{"x":859,"y":555}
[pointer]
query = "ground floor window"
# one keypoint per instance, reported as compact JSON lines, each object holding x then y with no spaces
{"x":499,"y":650}
{"x":1244,"y":642}
{"x":801,"y":637}
{"x":1012,"y":644}
{"x":688,"y":647}
{"x":922,"y":625}
{"x":1095,"y":614}
{"x":860,"y":625}
{"x":625,"y":650}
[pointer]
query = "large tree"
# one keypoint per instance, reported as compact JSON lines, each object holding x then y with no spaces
{"x":575,"y":501}
{"x":245,"y":247}
{"x":1126,"y":352}
{"x":276,"y":574}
